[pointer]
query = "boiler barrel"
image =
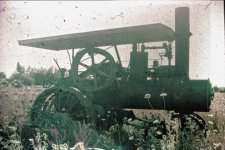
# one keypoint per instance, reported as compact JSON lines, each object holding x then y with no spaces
{"x":169,"y":94}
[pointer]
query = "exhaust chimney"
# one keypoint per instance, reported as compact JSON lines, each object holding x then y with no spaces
{"x":182,"y":34}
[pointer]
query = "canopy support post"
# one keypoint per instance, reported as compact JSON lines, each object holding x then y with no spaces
{"x":118,"y":56}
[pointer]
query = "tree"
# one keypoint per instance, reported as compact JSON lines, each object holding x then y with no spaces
{"x":2,"y":75}
{"x":20,"y":69}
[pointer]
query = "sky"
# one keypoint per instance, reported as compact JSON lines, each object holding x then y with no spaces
{"x":21,"y":20}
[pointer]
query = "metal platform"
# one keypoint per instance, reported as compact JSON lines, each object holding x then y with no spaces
{"x":117,"y":36}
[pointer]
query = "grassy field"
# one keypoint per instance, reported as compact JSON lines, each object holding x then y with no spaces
{"x":15,"y":104}
{"x":216,"y":120}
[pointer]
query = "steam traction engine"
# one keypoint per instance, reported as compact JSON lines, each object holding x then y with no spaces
{"x":97,"y":81}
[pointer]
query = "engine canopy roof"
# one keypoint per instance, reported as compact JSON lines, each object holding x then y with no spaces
{"x":117,"y":36}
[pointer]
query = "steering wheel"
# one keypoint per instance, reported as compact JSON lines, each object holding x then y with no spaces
{"x":94,"y":69}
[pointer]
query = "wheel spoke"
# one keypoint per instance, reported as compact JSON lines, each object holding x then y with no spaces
{"x":86,"y":73}
{"x":72,"y":106}
{"x":103,"y":73}
{"x":48,"y":102}
{"x":59,"y":101}
{"x":68,"y":99}
{"x":77,"y":114}
{"x":101,"y":63}
{"x":92,"y":57}
{"x":102,"y":69}
{"x":84,"y":65}
{"x":50,"y":98}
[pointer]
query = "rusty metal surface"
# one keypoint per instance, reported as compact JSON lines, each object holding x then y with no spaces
{"x":117,"y":36}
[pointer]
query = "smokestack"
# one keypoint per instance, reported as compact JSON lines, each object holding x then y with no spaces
{"x":182,"y":34}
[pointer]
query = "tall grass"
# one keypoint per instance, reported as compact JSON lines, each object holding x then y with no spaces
{"x":15,"y":104}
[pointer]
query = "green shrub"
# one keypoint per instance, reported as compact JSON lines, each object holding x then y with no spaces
{"x":17,"y":78}
{"x":26,"y":80}
{"x":16,"y":83}
{"x":2,"y":75}
{"x":4,"y":83}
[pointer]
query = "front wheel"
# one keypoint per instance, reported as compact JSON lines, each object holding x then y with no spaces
{"x":56,"y":109}
{"x":70,"y":101}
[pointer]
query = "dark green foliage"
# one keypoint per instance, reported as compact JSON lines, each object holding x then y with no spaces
{"x":58,"y":126}
{"x":4,"y":83}
{"x":2,"y":75}
{"x":31,"y":76}
{"x":186,"y":141}
{"x":216,"y":88}
{"x":38,"y":77}
{"x":219,"y":89}
{"x":134,"y":135}
{"x":83,"y":132}
{"x":16,"y":84}
{"x":26,"y":80}
{"x":20,"y":79}
{"x":20,"y":69}
{"x":43,"y":76}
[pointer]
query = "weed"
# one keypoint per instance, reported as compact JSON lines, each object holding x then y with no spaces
{"x":154,"y":131}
